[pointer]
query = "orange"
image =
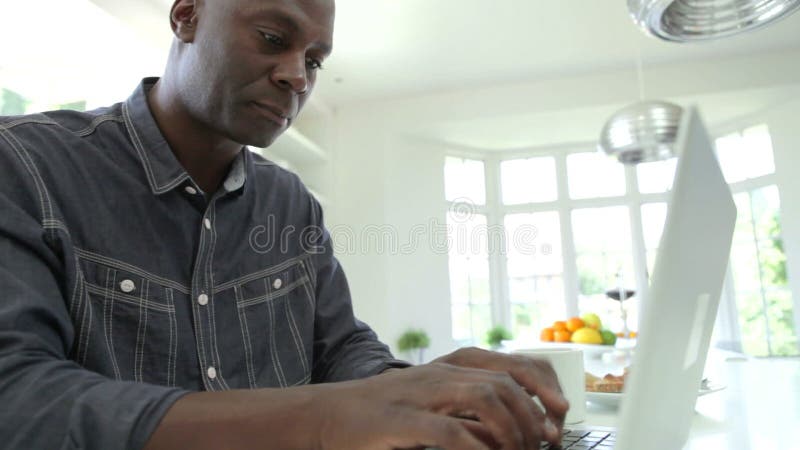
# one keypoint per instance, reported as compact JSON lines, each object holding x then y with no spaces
{"x":562,"y":336}
{"x":560,"y":325}
{"x":547,"y":335}
{"x":575,"y":323}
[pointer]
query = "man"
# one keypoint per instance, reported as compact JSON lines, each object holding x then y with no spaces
{"x":137,"y":312}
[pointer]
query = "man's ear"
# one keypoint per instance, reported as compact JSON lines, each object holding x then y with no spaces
{"x":183,"y":19}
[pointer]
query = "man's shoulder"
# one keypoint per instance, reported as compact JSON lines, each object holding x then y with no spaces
{"x":52,"y":124}
{"x":65,"y":119}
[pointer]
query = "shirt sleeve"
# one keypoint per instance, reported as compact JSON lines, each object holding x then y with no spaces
{"x":344,"y":347}
{"x":49,"y":401}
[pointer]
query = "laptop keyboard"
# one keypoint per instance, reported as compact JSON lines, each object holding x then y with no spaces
{"x":583,"y":440}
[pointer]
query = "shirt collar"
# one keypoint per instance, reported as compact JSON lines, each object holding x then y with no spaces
{"x":163,"y":170}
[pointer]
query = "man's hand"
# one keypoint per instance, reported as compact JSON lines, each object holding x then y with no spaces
{"x":535,"y":375}
{"x":470,"y":399}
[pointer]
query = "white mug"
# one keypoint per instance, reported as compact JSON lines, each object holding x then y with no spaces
{"x":568,"y":365}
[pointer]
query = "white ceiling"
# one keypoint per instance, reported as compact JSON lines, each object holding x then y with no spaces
{"x":397,"y":48}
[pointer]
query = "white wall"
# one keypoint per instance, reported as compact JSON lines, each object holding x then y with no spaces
{"x":387,"y":170}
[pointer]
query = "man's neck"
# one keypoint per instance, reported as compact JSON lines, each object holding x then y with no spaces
{"x":204,"y":154}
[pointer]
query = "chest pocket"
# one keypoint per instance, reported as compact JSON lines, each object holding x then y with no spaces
{"x":125,"y":322}
{"x":276,"y":313}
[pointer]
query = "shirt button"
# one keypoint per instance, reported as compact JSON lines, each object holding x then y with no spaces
{"x":127,"y":286}
{"x":211,"y":372}
{"x":207,"y":223}
{"x":277,"y":283}
{"x":202,"y":299}
{"x":190,"y":190}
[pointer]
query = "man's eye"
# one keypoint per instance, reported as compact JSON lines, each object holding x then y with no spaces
{"x":273,"y":39}
{"x":314,"y":64}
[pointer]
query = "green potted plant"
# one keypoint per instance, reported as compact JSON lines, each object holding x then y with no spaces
{"x":496,"y":336}
{"x":414,"y":340}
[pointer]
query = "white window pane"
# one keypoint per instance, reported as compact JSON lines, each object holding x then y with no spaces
{"x":601,"y":229}
{"x":533,"y":244}
{"x":528,"y":180}
{"x":459,"y":284}
{"x":462,"y":323}
{"x":729,"y":151}
{"x":470,"y":294}
{"x":746,"y":155}
{"x":603,"y":248}
{"x":593,"y":175}
{"x":468,"y":236}
{"x":464,"y":180}
{"x":481,"y":322}
{"x":758,"y":151}
{"x":539,"y":310}
{"x":657,"y":176}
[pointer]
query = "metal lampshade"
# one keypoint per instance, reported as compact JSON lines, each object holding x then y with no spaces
{"x":642,"y":132}
{"x":696,"y":20}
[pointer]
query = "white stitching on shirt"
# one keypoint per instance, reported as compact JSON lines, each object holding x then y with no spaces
{"x":296,"y":336}
{"x":248,"y":350}
{"x":139,"y":147}
{"x":309,"y":295}
{"x":212,"y":310}
{"x":141,"y":333}
{"x":260,"y":274}
{"x":84,"y":333}
{"x":272,"y":346}
{"x":27,"y":161}
{"x":117,"y":264}
{"x":288,"y":287}
{"x":26,"y":120}
{"x":303,"y":380}
{"x":196,"y":314}
{"x":108,"y":311}
{"x":129,"y":299}
{"x":96,"y":122}
{"x":73,"y":306}
{"x":173,"y":341}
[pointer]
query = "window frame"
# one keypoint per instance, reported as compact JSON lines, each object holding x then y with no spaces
{"x":633,"y":199}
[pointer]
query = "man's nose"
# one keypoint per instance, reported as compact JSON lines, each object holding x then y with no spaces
{"x":291,"y":73}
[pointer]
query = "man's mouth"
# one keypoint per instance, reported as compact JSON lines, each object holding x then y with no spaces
{"x":273,"y":113}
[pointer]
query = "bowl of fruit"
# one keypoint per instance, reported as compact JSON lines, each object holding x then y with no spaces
{"x":585,"y":332}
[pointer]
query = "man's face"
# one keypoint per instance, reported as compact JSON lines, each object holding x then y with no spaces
{"x":252,"y":64}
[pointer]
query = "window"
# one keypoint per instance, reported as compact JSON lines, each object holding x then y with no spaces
{"x":758,"y":264}
{"x":528,"y":180}
{"x":746,"y":155}
{"x":468,"y":257}
{"x":604,"y":260}
{"x":594,"y":175}
{"x":657,"y":176}
{"x":464,"y":180}
{"x":572,"y":232}
{"x":535,"y":271}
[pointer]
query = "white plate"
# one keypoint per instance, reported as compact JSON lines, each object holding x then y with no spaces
{"x":611,"y":399}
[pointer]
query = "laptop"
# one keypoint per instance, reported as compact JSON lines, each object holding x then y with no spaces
{"x":678,"y":317}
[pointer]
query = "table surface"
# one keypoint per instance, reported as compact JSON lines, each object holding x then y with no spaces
{"x":759,"y":409}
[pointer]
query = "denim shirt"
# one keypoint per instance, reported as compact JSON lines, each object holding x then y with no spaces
{"x":123,"y":286}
